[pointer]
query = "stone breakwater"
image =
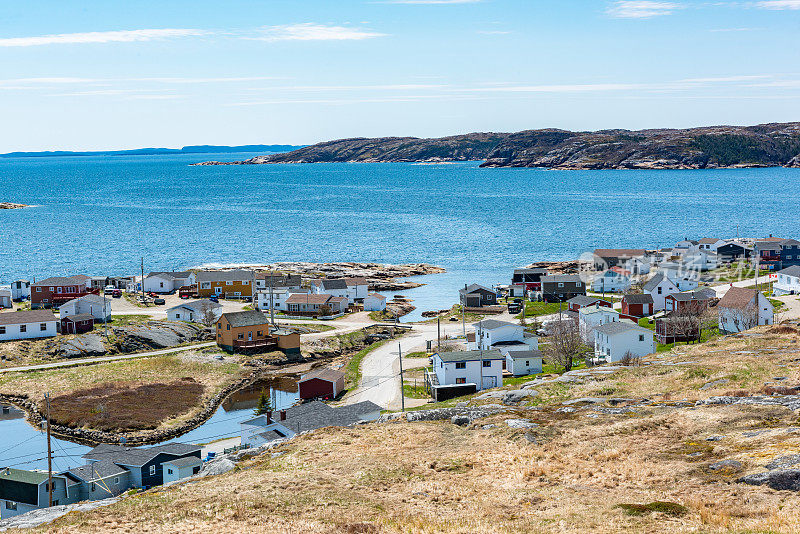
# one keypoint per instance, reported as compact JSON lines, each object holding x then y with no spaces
{"x":84,"y":436}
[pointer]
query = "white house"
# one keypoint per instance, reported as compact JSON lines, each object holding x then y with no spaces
{"x":95,"y":305}
{"x":524,"y":362}
{"x":5,"y":298}
{"x":194,"y":311}
{"x":278,"y":281}
{"x":684,"y":246}
{"x":614,"y":340}
{"x":742,"y":309}
{"x":167,"y":282}
{"x":374,"y":302}
{"x":637,"y":264}
{"x":279,"y":298}
{"x":27,"y":325}
{"x":788,"y":281}
{"x":590,"y":317}
{"x":484,"y":369}
{"x":493,"y":334}
{"x":180,"y":468}
{"x":610,"y":282}
{"x":20,"y":290}
{"x":659,"y":286}
{"x":354,"y":289}
{"x":684,"y":275}
{"x":701,"y":260}
{"x":711,"y":243}
{"x":312,"y":415}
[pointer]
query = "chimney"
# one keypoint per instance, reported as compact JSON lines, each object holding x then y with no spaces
{"x":269,"y":417}
{"x":283,"y":415}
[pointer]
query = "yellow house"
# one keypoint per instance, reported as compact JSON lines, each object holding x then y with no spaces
{"x":225,"y":284}
{"x":250,"y":331}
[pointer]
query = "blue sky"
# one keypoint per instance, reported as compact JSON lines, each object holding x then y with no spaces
{"x":102,"y":75}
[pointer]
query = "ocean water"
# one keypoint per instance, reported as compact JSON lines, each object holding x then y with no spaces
{"x":99,"y":215}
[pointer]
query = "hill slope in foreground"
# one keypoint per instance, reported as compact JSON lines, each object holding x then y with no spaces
{"x":636,"y":449}
{"x":765,"y":145}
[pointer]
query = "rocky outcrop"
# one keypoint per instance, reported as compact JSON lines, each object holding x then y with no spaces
{"x":766,"y":145}
{"x":11,"y":206}
{"x":468,"y":147}
{"x":83,"y":346}
{"x":157,"y":335}
{"x":380,"y":277}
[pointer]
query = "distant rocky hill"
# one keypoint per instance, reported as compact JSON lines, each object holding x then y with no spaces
{"x":765,"y":145}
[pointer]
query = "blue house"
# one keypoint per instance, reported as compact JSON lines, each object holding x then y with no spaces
{"x":145,"y":465}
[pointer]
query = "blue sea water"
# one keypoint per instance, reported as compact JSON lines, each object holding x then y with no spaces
{"x":101,"y":214}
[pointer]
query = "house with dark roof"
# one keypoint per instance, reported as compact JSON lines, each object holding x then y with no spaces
{"x":790,"y":253}
{"x":562,"y":287}
{"x":743,"y":308}
{"x":77,"y":324}
{"x":315,"y":304}
{"x":22,"y":491}
{"x":312,"y":415}
{"x":576,"y":303}
{"x":788,"y":281}
{"x":354,"y":289}
{"x":167,"y":282}
{"x":733,"y":251}
{"x":100,"y":480}
{"x":195,"y":311}
{"x":27,"y":324}
{"x":767,"y":254}
{"x":613,"y":341}
{"x":689,"y":302}
{"x":638,"y":304}
{"x":251,"y":331}
{"x":476,"y":296}
{"x":710,"y":243}
{"x":321,"y":383}
{"x":632,"y":259}
{"x":144,"y":464}
{"x":530,"y":278}
{"x":97,"y":306}
{"x":275,"y":280}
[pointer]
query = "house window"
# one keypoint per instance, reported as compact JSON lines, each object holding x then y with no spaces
{"x":2,"y":329}
{"x":245,"y":282}
{"x":169,"y":470}
{"x":487,"y":363}
{"x":161,"y":284}
{"x":205,"y":285}
{"x":259,"y":333}
{"x":659,"y":290}
{"x":561,"y":284}
{"x":577,"y":284}
{"x":11,"y":505}
{"x":43,"y":327}
{"x":641,"y":337}
{"x":228,"y":326}
{"x":461,"y":365}
{"x":92,"y":487}
{"x":461,"y":380}
{"x":23,"y":328}
{"x":53,"y":289}
{"x":527,"y":363}
{"x":177,"y":315}
{"x":228,"y":282}
{"x":116,"y":481}
{"x":38,"y":290}
{"x":152,"y":470}
{"x":240,"y":336}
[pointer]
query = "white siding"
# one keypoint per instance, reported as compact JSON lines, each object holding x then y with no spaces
{"x":32,"y":330}
{"x":447,"y":373}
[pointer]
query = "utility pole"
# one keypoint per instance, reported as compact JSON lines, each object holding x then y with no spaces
{"x":271,"y":302}
{"x":142,"y":279}
{"x":49,"y":454}
{"x":438,"y":333}
{"x":402,"y":394}
{"x":480,"y":348}
{"x":463,"y":322}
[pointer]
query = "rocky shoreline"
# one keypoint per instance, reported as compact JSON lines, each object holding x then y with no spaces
{"x":380,"y":277}
{"x":12,"y":206}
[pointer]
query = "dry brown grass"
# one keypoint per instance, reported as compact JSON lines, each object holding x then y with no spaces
{"x":437,"y":477}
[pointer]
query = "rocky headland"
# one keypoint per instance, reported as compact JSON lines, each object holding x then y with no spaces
{"x":764,"y":145}
{"x":11,"y":206}
{"x":380,"y":277}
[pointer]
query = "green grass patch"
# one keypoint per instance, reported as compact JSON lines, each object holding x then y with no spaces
{"x":418,"y":354}
{"x":534,"y":309}
{"x":412,"y":392}
{"x":124,"y":320}
{"x":667,"y":508}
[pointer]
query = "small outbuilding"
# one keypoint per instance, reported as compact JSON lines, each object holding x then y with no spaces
{"x":181,"y":468}
{"x":77,"y":324}
{"x":524,"y":362}
{"x":374,"y":302}
{"x":322,"y":383}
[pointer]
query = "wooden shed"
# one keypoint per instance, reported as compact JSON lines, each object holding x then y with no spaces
{"x":322,"y":383}
{"x":77,"y":324}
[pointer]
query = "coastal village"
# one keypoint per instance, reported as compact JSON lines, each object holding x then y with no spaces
{"x":187,"y":341}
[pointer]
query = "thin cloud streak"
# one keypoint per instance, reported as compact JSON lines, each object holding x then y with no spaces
{"x":780,"y":4}
{"x":309,"y":31}
{"x":123,"y":36}
{"x":641,"y":9}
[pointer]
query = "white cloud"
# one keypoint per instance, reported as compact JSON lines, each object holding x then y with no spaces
{"x":725,"y":30}
{"x":723,"y":79}
{"x":309,"y":31}
{"x":123,"y":36}
{"x":780,"y":4}
{"x":641,"y":9}
{"x":494,"y":32}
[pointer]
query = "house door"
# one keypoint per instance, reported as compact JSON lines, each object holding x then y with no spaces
{"x":489,"y":382}
{"x":249,"y":336}
{"x":218,"y":290}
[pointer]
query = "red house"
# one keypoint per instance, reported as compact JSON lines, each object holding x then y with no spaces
{"x":57,"y":290}
{"x":694,"y":302}
{"x":638,"y":305}
{"x":321,"y":383}
{"x":77,"y":324}
{"x":580,"y":301}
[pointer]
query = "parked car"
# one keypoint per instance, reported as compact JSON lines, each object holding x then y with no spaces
{"x":109,"y":289}
{"x":117,"y":293}
{"x":159,"y":301}
{"x":213,"y":298}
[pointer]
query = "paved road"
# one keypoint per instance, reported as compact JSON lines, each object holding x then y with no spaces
{"x":101,"y":359}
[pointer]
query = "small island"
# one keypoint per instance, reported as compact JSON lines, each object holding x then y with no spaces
{"x":11,"y":206}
